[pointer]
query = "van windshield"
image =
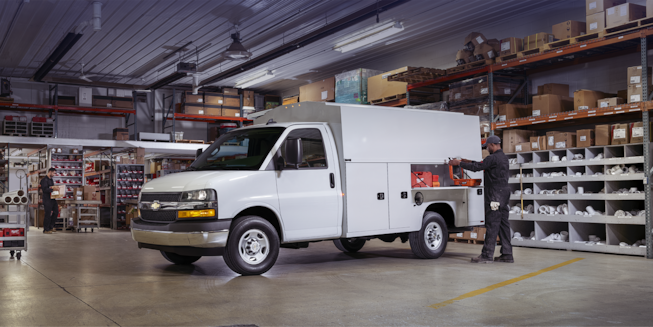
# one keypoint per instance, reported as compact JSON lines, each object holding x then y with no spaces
{"x":238,"y":150}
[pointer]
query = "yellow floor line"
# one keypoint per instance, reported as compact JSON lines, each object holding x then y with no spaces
{"x":508,"y":282}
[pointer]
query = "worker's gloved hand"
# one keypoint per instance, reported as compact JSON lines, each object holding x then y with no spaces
{"x":494,"y":206}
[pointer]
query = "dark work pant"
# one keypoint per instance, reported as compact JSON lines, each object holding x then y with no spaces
{"x":51,"y":213}
{"x":497,"y":223}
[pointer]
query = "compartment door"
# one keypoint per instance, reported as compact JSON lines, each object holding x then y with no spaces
{"x":367,"y":198}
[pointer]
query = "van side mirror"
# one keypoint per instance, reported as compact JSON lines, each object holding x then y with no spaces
{"x":294,"y":152}
{"x":198,"y":153}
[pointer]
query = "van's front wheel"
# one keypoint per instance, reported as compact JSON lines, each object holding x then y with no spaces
{"x":349,"y":244}
{"x":431,"y":240}
{"x":252,"y":247}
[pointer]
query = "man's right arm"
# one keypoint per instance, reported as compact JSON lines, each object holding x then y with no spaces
{"x":478,"y":165}
{"x":45,"y":187}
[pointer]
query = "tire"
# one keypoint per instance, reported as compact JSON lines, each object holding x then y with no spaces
{"x":179,"y":259}
{"x":349,"y":244}
{"x":431,"y":240}
{"x":252,"y":247}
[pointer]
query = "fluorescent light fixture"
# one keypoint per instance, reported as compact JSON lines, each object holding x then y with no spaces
{"x":256,"y":80}
{"x":370,"y":38}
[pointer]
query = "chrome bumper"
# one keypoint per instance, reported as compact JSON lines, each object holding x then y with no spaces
{"x":214,"y":239}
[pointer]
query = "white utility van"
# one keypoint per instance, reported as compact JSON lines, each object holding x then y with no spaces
{"x":312,"y":172}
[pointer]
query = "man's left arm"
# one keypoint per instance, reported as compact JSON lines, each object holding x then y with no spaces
{"x":478,"y":165}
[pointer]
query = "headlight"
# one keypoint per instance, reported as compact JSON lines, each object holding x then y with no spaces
{"x":199,"y":195}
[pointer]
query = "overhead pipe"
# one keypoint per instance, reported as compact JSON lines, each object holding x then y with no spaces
{"x":66,"y":44}
{"x":328,"y":30}
{"x":97,"y":16}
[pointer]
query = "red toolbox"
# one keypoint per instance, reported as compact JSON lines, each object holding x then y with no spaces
{"x":13,"y":232}
{"x":421,"y":179}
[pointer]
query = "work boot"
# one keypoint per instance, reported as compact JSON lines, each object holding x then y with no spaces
{"x":54,"y":230}
{"x":481,"y":259}
{"x":47,"y":232}
{"x":505,"y":258}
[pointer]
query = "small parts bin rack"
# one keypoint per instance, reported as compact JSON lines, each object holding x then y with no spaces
{"x":14,"y":227}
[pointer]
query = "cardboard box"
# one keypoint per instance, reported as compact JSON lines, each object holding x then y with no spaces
{"x":620,"y":134}
{"x":214,"y":99}
{"x":230,"y":112}
{"x":538,"y":143}
{"x":379,"y":87}
{"x":248,"y":98}
{"x":595,"y":23}
{"x":513,"y":111}
{"x":290,"y":100}
{"x":351,"y":86}
{"x":637,"y":132}
{"x":189,"y":97}
{"x":101,"y":101}
{"x":213,"y":110}
{"x":229,"y":91}
{"x":609,"y":102}
{"x":140,"y":156}
{"x":568,"y":29}
{"x":324,"y":90}
{"x":550,"y":140}
{"x":537,"y":40}
{"x":503,"y":88}
{"x":232,"y":102}
{"x":586,"y":99}
{"x":549,"y":104}
{"x":121,"y":134}
{"x":464,"y":57}
{"x":513,"y":137}
{"x":585,"y":138}
{"x":193,"y":109}
{"x":511,"y":45}
{"x":484,"y":52}
{"x":473,"y":40}
{"x":553,"y":88}
{"x":595,"y":6}
{"x":602,"y":134}
{"x":523,"y":147}
{"x":635,"y":75}
{"x":635,"y":93}
{"x":58,"y":192}
{"x":564,"y":140}
{"x":122,"y":102}
{"x":623,"y":14}
{"x":88,"y":190}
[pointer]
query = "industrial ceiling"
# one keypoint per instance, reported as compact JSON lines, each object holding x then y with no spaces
{"x":137,"y":37}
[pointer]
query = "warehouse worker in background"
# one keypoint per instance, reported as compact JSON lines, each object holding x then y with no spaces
{"x":49,"y":205}
{"x":497,"y":193}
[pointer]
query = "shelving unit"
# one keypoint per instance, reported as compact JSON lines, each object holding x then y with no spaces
{"x":15,"y":220}
{"x":607,"y":46}
{"x":4,"y":167}
{"x":128,"y":181}
{"x":590,"y":175}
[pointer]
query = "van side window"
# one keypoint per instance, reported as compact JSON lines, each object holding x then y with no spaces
{"x":312,"y":145}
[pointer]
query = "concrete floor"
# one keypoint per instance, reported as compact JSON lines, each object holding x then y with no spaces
{"x":102,"y":278}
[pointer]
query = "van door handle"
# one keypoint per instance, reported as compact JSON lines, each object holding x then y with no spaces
{"x":332,"y":178}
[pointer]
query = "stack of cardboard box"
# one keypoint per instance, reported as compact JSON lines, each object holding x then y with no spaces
{"x":552,"y":98}
{"x":635,"y":83}
{"x":595,"y":14}
{"x":226,"y":104}
{"x":352,"y":86}
{"x":324,"y":90}
{"x":378,"y":86}
{"x":537,"y":40}
{"x":516,"y":140}
{"x":587,"y":99}
{"x":568,"y":29}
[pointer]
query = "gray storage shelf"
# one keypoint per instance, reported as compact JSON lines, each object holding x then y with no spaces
{"x":611,"y":229}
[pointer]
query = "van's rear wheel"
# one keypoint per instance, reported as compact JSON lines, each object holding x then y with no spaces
{"x":431,"y":240}
{"x":349,"y":244}
{"x":252,"y":247}
{"x":179,"y":259}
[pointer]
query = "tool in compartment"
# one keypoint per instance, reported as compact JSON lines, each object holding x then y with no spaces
{"x":459,"y":180}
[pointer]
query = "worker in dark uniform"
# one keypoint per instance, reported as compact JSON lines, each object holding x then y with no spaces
{"x":497,"y":193}
{"x":49,"y":205}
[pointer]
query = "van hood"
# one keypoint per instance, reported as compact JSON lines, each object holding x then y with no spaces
{"x":194,"y":180}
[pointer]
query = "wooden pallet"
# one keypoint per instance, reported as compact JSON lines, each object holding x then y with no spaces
{"x":471,"y":65}
{"x":529,"y":52}
{"x":191,"y":141}
{"x":576,"y":39}
{"x":417,"y":75}
{"x":388,"y":99}
{"x":634,"y":25}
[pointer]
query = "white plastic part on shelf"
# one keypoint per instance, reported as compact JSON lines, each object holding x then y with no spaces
{"x":598,"y":219}
{"x":586,"y":196}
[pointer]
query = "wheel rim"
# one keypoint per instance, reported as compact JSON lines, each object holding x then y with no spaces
{"x":433,"y":236}
{"x":254,"y":246}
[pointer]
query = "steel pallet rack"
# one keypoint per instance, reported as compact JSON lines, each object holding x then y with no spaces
{"x":54,"y":109}
{"x":608,"y":46}
{"x":169,"y":114}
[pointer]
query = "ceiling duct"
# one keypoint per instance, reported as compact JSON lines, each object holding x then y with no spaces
{"x":236,"y":51}
{"x":97,"y":16}
{"x":66,"y":44}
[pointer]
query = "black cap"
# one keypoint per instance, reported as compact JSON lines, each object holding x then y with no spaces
{"x":492,"y":139}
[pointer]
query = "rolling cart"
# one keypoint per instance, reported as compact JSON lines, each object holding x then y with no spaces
{"x":86,"y":220}
{"x":14,"y":227}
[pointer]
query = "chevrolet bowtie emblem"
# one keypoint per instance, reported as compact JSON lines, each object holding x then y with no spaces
{"x":155,"y":206}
